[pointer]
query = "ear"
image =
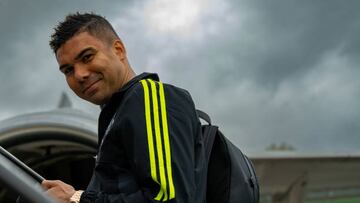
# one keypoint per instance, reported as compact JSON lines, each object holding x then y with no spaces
{"x":119,"y":49}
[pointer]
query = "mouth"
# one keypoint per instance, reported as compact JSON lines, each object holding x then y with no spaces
{"x":90,"y":89}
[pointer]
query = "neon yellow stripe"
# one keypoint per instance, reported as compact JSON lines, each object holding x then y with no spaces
{"x":166,"y":140}
{"x":149,"y":131}
{"x":158,"y":142}
{"x":159,"y":195}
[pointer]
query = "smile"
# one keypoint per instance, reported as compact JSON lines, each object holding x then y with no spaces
{"x":90,"y":88}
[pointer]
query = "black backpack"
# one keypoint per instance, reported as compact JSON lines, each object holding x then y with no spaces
{"x":231,"y":176}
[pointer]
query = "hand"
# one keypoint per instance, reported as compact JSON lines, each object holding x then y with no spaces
{"x":59,"y":190}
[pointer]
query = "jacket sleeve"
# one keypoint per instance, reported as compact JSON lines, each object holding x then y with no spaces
{"x":157,"y":134}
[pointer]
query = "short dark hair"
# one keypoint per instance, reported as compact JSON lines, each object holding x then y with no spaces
{"x":76,"y":23}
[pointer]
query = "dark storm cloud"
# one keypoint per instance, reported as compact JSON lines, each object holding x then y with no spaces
{"x":298,"y":34}
{"x":258,"y":75}
{"x":283,"y":38}
{"x":267,"y":72}
{"x":295,"y":39}
{"x":28,"y":66}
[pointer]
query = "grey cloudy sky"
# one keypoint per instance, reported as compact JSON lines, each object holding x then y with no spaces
{"x":266,"y":71}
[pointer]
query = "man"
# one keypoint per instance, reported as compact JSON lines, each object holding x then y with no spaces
{"x":150,"y":144}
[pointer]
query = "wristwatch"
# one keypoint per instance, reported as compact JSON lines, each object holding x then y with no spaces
{"x":76,"y":196}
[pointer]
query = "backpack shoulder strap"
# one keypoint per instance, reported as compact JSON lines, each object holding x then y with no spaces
{"x":209,"y":133}
{"x":204,"y":116}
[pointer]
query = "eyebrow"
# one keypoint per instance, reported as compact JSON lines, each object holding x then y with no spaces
{"x":77,"y":57}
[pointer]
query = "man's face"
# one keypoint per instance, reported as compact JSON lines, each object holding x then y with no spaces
{"x":94,"y":70}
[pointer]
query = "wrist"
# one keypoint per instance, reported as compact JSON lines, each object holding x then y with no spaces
{"x":75,"y":198}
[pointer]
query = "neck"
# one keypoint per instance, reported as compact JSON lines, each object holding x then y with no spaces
{"x":129,"y":74}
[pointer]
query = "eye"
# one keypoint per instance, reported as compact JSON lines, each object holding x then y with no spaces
{"x":67,"y":70}
{"x":86,"y":58}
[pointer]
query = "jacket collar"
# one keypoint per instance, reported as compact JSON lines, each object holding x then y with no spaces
{"x":117,"y":95}
{"x":108,"y":109}
{"x":136,"y":79}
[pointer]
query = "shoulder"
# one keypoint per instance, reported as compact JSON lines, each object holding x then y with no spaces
{"x":151,"y":91}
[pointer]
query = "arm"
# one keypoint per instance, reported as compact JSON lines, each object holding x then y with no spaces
{"x":165,"y":143}
{"x":156,"y":137}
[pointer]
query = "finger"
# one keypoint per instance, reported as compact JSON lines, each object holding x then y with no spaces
{"x":46,"y":184}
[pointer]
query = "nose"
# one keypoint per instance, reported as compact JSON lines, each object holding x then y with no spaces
{"x":81,"y":73}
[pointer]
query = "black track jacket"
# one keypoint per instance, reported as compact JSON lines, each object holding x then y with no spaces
{"x":150,"y":147}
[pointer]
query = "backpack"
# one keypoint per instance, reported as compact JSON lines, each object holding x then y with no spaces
{"x":231,"y":176}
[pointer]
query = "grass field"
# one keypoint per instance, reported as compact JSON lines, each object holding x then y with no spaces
{"x":348,"y":200}
{"x":343,"y":200}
